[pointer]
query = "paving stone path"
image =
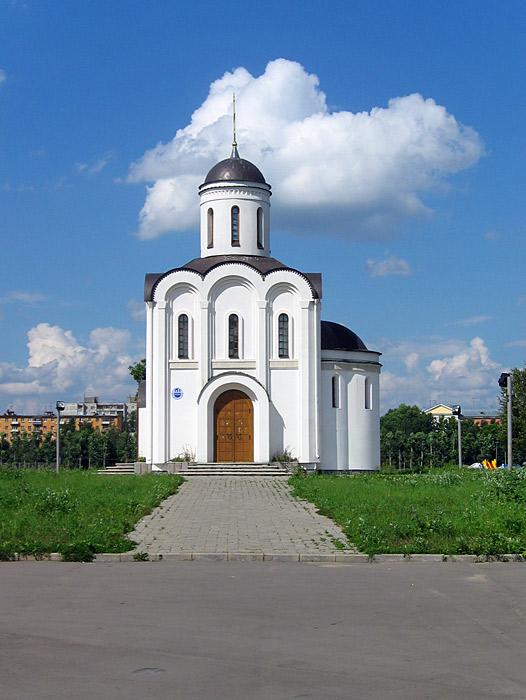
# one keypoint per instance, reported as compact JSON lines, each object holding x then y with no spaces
{"x":226,"y":515}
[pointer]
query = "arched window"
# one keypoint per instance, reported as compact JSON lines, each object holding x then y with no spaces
{"x":182,"y":340}
{"x":235,"y":225}
{"x":260,"y":227}
{"x":336,"y":391}
{"x":283,"y":335}
{"x":233,"y":336}
{"x":210,"y":228}
{"x":368,"y":390}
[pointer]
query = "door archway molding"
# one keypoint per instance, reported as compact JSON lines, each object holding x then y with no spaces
{"x":205,"y":413}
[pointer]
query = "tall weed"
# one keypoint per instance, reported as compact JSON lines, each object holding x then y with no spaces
{"x":444,"y":511}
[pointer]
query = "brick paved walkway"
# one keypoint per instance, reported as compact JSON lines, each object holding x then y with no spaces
{"x":211,"y":515}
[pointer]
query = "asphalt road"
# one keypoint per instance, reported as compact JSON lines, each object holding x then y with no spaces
{"x":257,"y":630}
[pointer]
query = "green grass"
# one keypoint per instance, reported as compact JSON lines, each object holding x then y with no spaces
{"x":76,"y":513}
{"x":442,"y":512}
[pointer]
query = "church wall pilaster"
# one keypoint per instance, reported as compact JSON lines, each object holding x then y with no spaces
{"x":262,"y":343}
{"x":146,"y":447}
{"x":307,"y":428}
{"x":160,"y":388}
{"x":204,"y":343}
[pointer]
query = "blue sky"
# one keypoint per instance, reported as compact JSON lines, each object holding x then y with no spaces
{"x":392,"y":134}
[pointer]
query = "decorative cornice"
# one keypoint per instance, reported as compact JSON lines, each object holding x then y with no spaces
{"x":152,"y":281}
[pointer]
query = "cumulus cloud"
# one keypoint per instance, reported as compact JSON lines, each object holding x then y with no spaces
{"x":392,"y":265}
{"x":350,"y":174}
{"x":438,"y":370}
{"x":471,"y":365}
{"x":59,"y":366}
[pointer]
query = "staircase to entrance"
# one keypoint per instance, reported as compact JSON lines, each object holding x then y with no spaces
{"x":207,"y":469}
{"x":233,"y":469}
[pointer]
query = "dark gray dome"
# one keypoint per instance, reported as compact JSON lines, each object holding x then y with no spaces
{"x":334,"y":336}
{"x":234,"y":169}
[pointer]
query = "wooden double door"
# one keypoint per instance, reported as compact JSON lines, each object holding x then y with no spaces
{"x":234,"y":427}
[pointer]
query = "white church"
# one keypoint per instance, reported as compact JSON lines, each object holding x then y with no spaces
{"x":239,"y":365}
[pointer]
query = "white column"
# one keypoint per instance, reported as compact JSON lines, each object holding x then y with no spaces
{"x":316,"y":378}
{"x":160,"y":387}
{"x":204,"y":348}
{"x":306,"y":429}
{"x":146,"y":449}
{"x":262,"y":343}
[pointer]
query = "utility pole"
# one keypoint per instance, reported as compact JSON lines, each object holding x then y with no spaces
{"x":457,"y":411}
{"x":60,"y":407}
{"x":505,"y":381}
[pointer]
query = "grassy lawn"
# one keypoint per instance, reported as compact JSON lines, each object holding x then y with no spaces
{"x":76,"y":513}
{"x":443,"y":512}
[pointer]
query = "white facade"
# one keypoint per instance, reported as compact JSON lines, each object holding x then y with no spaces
{"x":236,"y":320}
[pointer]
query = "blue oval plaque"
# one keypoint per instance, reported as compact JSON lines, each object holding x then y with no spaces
{"x":177,"y":393}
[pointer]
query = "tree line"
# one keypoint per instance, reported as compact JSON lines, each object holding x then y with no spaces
{"x":412,"y":439}
{"x":83,"y":448}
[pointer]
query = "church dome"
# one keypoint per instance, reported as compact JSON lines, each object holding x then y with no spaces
{"x":334,"y":336}
{"x":234,"y":169}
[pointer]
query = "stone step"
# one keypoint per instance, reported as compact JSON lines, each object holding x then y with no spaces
{"x":118,"y":469}
{"x":232,"y":469}
{"x":232,"y":473}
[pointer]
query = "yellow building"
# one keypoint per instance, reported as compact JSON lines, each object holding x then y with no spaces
{"x":440,"y":410}
{"x":12,"y":424}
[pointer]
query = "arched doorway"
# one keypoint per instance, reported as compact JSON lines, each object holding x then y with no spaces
{"x":233,"y":427}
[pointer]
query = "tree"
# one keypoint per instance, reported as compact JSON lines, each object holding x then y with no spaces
{"x":518,"y":381}
{"x":138,"y":370}
{"x":406,"y":419}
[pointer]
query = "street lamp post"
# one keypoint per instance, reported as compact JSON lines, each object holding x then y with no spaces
{"x":505,"y":381}
{"x":457,"y":411}
{"x":60,"y":407}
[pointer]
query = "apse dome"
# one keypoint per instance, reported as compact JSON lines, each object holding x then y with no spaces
{"x":334,"y":336}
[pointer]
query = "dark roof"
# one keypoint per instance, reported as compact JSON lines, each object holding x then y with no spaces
{"x":234,"y":169}
{"x":334,"y":336}
{"x":261,"y":263}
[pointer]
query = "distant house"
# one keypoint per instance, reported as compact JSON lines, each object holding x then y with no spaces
{"x":441,"y":410}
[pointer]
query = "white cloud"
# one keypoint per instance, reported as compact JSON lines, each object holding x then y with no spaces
{"x":454,"y":372}
{"x":8,"y":187}
{"x":136,"y":309}
{"x":469,"y":366}
{"x":347,"y":174}
{"x":389,"y":266}
{"x":3,"y":76}
{"x":411,"y":361}
{"x":23,"y":296}
{"x":60,"y":367}
{"x":95,"y":164}
{"x":471,"y":321}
